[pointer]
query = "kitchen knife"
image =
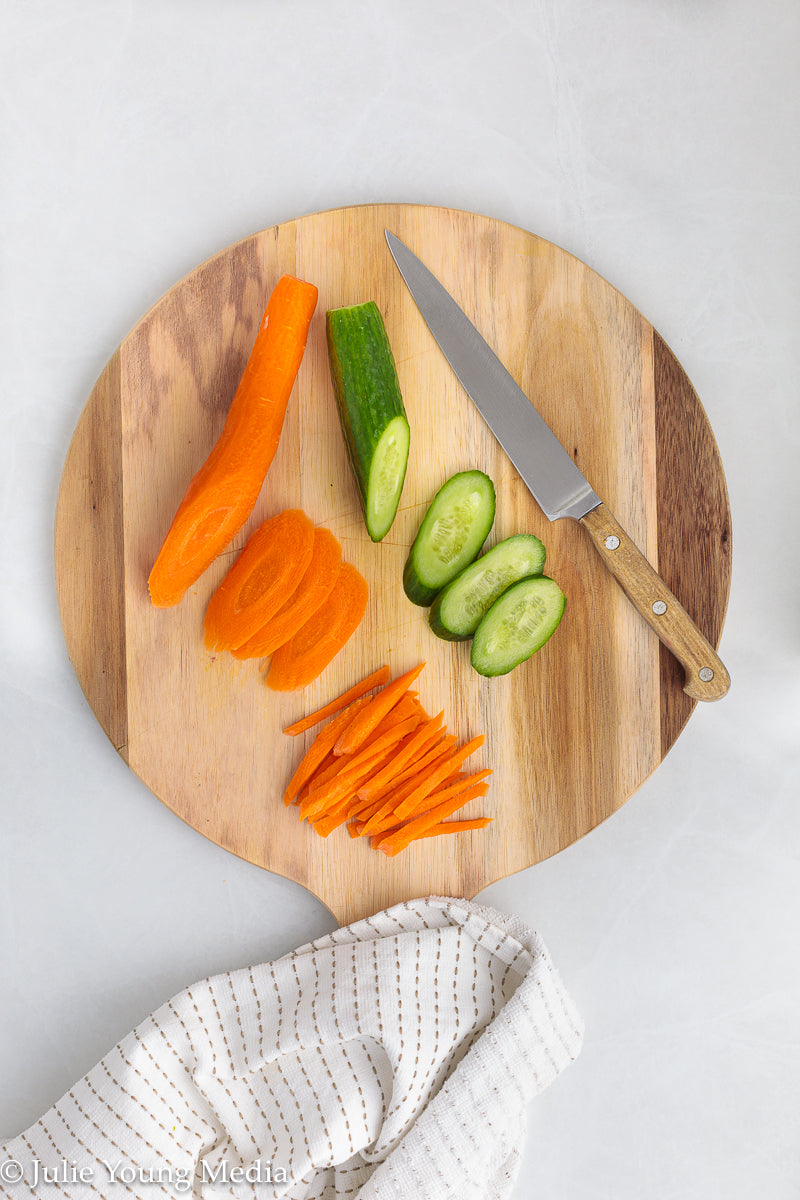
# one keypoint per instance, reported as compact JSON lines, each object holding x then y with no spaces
{"x":552,"y":477}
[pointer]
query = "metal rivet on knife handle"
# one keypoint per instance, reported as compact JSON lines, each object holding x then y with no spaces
{"x":611,"y":542}
{"x":706,"y":677}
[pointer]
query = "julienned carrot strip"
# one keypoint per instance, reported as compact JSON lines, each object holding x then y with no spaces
{"x":439,"y":750}
{"x":340,"y":762}
{"x":377,"y":709}
{"x":401,"y":780}
{"x":387,"y":741}
{"x":432,"y":800}
{"x":406,"y":707}
{"x":325,"y":826}
{"x":327,"y":769}
{"x":407,"y":806}
{"x":313,"y":590}
{"x":456,"y":827}
{"x":337,"y":790}
{"x":448,"y":827}
{"x":222,"y":494}
{"x":448,"y":789}
{"x":318,"y":750}
{"x":376,"y":679}
{"x":425,"y":734}
{"x":264,"y":576}
{"x":345,"y":783}
{"x":333,"y":767}
{"x":361,"y":812}
{"x":403,"y":785}
{"x":307,"y":654}
{"x":393,"y":843}
{"x":442,"y":747}
{"x":389,"y":804}
{"x":335,"y":795}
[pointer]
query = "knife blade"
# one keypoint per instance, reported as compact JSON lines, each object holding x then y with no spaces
{"x":551,"y":475}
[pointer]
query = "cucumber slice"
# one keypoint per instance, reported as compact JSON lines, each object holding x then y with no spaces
{"x":371,"y":410}
{"x":517,"y":625}
{"x":452,"y":532}
{"x":459,"y":607}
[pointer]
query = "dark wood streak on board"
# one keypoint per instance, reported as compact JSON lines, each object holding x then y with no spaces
{"x":694,"y":538}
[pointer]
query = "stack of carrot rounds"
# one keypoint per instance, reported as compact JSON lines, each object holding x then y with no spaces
{"x":290,"y":597}
{"x":384,"y":768}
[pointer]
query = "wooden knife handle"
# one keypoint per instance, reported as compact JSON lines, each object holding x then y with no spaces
{"x":706,"y":676}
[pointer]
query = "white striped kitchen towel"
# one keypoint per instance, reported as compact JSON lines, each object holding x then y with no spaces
{"x":391,"y":1060}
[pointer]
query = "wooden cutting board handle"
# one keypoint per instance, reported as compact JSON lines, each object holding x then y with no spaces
{"x":706,"y":676}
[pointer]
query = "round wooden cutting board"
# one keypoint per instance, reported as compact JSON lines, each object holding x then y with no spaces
{"x":572,"y":733}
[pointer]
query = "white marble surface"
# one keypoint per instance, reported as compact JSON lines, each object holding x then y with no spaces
{"x":658,"y":142}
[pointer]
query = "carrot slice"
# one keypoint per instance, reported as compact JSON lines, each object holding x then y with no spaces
{"x":397,"y":779}
{"x":306,"y":655}
{"x":313,"y":590}
{"x":440,"y":748}
{"x":450,"y":827}
{"x":376,"y":679}
{"x":390,"y":736}
{"x":393,"y":843}
{"x":407,"y":807}
{"x":456,"y":827}
{"x":378,"y":707}
{"x":430,"y":729}
{"x":222,"y":494}
{"x":319,"y":749}
{"x":265,"y":574}
{"x":390,"y":820}
{"x":336,"y":764}
{"x":325,"y":826}
{"x":441,"y":794}
{"x":345,"y":783}
{"x":337,"y":792}
{"x":361,"y":812}
{"x":404,"y":783}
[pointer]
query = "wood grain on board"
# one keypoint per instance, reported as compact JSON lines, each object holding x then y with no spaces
{"x":571,"y":734}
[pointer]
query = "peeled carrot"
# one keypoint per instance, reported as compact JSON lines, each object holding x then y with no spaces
{"x":378,"y":707}
{"x":376,"y":679}
{"x":313,"y":590}
{"x":319,"y":749}
{"x":222,"y":494}
{"x":264,"y":576}
{"x":317,"y":642}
